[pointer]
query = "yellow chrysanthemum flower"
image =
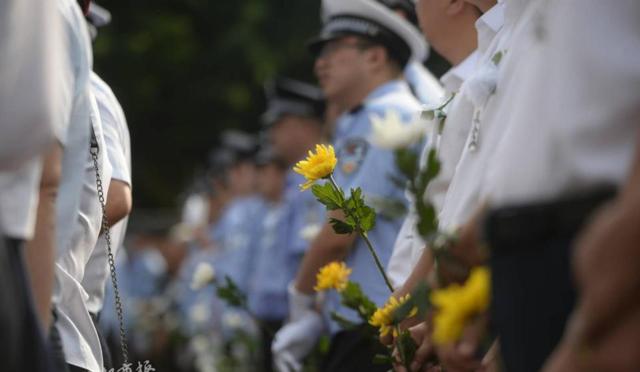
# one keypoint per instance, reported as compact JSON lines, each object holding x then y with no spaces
{"x":456,"y":304}
{"x":317,"y":166}
{"x":334,"y":275}
{"x":383,"y":317}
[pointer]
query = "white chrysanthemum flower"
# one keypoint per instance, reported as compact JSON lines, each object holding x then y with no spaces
{"x":203,"y":275}
{"x":309,"y":232}
{"x":233,"y":320}
{"x":199,"y":313}
{"x":200,"y":344}
{"x":389,"y":132}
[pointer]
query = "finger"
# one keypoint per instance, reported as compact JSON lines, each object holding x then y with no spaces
{"x":422,"y":355}
{"x":387,"y":340}
{"x":471,"y":336}
{"x":454,"y":361}
{"x":490,"y":359}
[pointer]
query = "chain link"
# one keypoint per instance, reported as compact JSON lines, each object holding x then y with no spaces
{"x":94,"y":150}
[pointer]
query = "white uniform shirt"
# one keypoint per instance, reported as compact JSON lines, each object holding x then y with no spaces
{"x":462,"y":198}
{"x":488,"y":25}
{"x":408,"y":245}
{"x":118,"y":149}
{"x":74,"y":322}
{"x":77,"y":330}
{"x":74,"y":131}
{"x":590,"y":103}
{"x":31,"y":45}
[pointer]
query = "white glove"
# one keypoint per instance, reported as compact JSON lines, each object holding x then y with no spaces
{"x":299,"y":303}
{"x":295,"y":341}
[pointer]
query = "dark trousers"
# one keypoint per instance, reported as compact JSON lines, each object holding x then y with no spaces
{"x":533,"y":292}
{"x":22,"y":343}
{"x":532,"y":298}
{"x":354,"y":350}
{"x":267,"y":330}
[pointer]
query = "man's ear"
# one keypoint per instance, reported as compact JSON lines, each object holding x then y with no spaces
{"x":455,"y":7}
{"x":377,"y":55}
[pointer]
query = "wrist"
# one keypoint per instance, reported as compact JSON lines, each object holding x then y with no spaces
{"x":299,"y":298}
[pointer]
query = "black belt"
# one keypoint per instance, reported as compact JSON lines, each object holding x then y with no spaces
{"x":519,"y":226}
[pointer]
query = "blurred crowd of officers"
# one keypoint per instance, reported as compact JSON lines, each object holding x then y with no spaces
{"x":540,"y":179}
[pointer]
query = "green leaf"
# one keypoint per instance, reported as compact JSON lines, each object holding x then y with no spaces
{"x":428,"y":173}
{"x":341,"y":227}
{"x":497,"y":58}
{"x":343,"y":322}
{"x":356,"y":196}
{"x":382,"y":359}
{"x":407,"y":347}
{"x":433,"y":164}
{"x":407,"y":162}
{"x":354,"y":298}
{"x":328,"y":196}
{"x":230,"y":293}
{"x":367,"y":218}
{"x":427,"y":220}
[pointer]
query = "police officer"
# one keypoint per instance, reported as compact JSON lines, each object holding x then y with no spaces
{"x":294,"y":121}
{"x":294,"y":124}
{"x":267,"y":292}
{"x":233,"y":231}
{"x":361,"y":53}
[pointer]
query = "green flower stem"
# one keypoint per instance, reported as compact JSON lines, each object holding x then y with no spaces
{"x":376,"y":259}
{"x":364,"y":236}
{"x":403,"y":357}
{"x":338,"y":189}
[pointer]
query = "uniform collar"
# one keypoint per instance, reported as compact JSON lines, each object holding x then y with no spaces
{"x":397,"y":85}
{"x":489,"y":24}
{"x":454,"y":78}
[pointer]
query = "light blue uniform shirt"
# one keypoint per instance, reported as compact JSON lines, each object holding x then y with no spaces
{"x":186,"y":299}
{"x":304,"y":212}
{"x":360,"y":164}
{"x":268,"y":287}
{"x":234,"y":234}
{"x":282,"y":246}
